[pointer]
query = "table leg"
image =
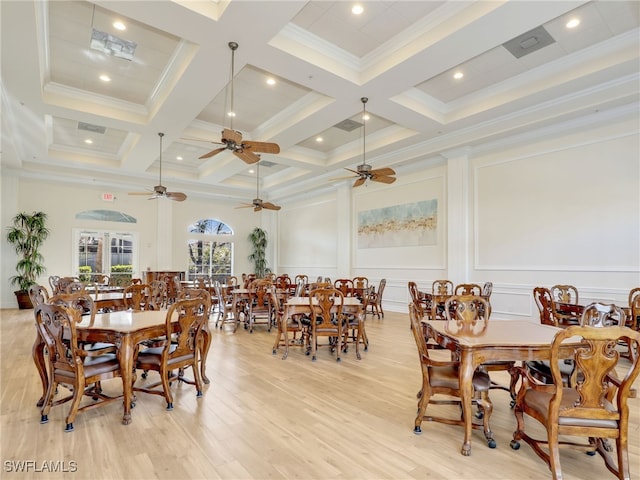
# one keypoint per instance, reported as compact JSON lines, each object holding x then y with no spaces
{"x":284,"y":330}
{"x":38,"y":358}
{"x":125,"y":358}
{"x":466,"y":394}
{"x":205,"y":345}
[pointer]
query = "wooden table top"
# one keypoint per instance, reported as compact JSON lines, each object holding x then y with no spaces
{"x":125,"y":320}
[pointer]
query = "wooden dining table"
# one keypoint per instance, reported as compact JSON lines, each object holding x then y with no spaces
{"x":125,"y":329}
{"x":300,"y":305}
{"x":507,"y":340}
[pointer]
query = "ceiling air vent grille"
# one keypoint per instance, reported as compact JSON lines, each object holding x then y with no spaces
{"x":348,"y":125}
{"x":529,"y":42}
{"x":88,"y":127}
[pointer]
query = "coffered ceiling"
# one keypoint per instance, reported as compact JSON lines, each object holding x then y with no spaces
{"x":169,"y":71}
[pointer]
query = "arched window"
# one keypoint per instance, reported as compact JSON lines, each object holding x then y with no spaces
{"x":208,"y":255}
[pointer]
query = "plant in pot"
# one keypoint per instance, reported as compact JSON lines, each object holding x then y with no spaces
{"x":258,"y":239}
{"x":26,"y":235}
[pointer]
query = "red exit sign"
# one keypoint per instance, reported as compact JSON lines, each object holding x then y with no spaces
{"x":108,"y":197}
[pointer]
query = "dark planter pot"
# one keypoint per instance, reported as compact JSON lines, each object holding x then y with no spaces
{"x":24,"y":302}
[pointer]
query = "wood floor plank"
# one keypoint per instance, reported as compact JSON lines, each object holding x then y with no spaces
{"x":263,"y":417}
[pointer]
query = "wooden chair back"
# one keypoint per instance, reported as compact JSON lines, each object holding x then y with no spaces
{"x":63,"y":283}
{"x":345,"y":285}
{"x":564,"y":293}
{"x":602,"y":315}
{"x":38,"y":294}
{"x":467,"y":314}
{"x":487,"y":290}
{"x":53,"y":283}
{"x":544,"y":302}
{"x":138,"y":297}
{"x":80,"y":301}
{"x":361,"y":283}
{"x":304,"y":278}
{"x":467,"y":289}
{"x":158,"y":297}
{"x":442,"y":287}
{"x":417,"y":300}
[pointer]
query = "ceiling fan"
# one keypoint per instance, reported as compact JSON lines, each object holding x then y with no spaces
{"x":257,"y":203}
{"x":246,"y":150}
{"x":160,"y":191}
{"x":364,"y":171}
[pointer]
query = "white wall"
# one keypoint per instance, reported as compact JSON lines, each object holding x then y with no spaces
{"x":527,"y":213}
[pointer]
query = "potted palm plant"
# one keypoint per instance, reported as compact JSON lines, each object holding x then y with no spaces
{"x":258,"y":239}
{"x":26,"y":235}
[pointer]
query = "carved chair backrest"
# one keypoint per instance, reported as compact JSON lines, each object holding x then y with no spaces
{"x":544,"y":301}
{"x":467,"y":289}
{"x":467,"y":314}
{"x":602,"y":315}
{"x":564,"y":293}
{"x":442,"y":287}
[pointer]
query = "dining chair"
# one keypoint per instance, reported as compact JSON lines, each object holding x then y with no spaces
{"x":487,"y":290}
{"x":295,"y":324}
{"x":260,"y":310}
{"x":204,"y":341}
{"x":419,"y":300}
{"x":634,"y":308}
{"x":440,"y":379}
{"x":63,"y":283}
{"x":70,"y":365}
{"x":327,"y":320}
{"x":345,"y":285}
{"x":302,"y":277}
{"x":179,"y":349}
{"x":53,"y":283}
{"x":225,"y":307}
{"x":38,"y":294}
{"x":138,"y":296}
{"x":594,"y":408}
{"x":440,"y":291}
{"x":469,"y":315}
{"x":375,"y":299}
{"x":158,"y":297}
{"x":467,"y":289}
{"x":564,"y":294}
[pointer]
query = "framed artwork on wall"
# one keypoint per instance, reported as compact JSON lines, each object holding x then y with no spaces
{"x":408,"y":224}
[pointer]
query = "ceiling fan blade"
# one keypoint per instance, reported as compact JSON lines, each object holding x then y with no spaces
{"x":270,"y":206}
{"x":247,"y":157}
{"x":200,"y":140}
{"x":233,"y":136}
{"x":177,"y":196}
{"x":140,"y":193}
{"x":354,"y":171}
{"x":213,"y":152}
{"x":340,"y":178}
{"x":257,"y":208}
{"x":245,"y":205}
{"x":359,"y":181}
{"x":262,"y":147}
{"x":383,"y":179}
{"x":383,"y":171}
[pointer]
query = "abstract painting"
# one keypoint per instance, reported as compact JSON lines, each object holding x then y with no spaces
{"x":399,"y":225}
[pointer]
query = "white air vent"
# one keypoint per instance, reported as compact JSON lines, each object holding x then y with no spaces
{"x":529,"y":42}
{"x":88,"y":127}
{"x":348,"y":125}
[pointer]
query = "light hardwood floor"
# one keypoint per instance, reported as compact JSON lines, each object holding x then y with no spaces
{"x":262,"y":417}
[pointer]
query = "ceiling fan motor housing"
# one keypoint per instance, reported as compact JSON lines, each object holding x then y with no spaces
{"x":364,"y":169}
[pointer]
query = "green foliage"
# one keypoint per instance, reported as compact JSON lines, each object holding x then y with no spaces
{"x":258,"y":239}
{"x":27,"y":234}
{"x":121,"y":274}
{"x":85,"y":273}
{"x":121,"y":268}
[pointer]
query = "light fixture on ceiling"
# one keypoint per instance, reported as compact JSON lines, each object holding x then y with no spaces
{"x":364,"y":171}
{"x":118,"y":25}
{"x":458,"y":75}
{"x":257,"y":203}
{"x":573,"y":23}
{"x":357,"y":9}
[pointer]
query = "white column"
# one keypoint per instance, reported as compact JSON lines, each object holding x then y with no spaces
{"x":458,"y":214}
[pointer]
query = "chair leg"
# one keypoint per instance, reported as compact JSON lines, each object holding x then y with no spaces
{"x":484,"y":402}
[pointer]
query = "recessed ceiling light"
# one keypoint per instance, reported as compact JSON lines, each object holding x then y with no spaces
{"x":458,"y":75}
{"x":118,"y":25}
{"x":271,"y":81}
{"x":319,"y":139}
{"x":357,"y":9}
{"x":88,"y":141}
{"x":365,"y":117}
{"x":178,"y":158}
{"x":251,"y":170}
{"x":105,"y":78}
{"x":231,"y":114}
{"x":573,"y":23}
